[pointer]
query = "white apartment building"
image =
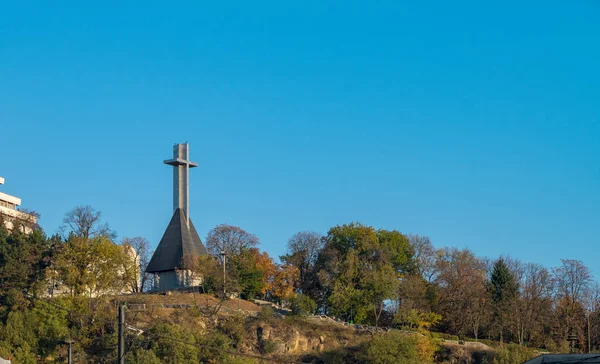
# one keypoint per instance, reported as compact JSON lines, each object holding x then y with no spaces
{"x":13,"y":218}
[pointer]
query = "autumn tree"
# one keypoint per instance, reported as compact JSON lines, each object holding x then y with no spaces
{"x":232,"y":240}
{"x":572,"y":279}
{"x":269,"y":269}
{"x":284,"y":281}
{"x":463,"y":298}
{"x":414,"y":303}
{"x":533,"y":309}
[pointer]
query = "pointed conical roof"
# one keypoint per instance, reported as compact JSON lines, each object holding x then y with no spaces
{"x":177,"y":241}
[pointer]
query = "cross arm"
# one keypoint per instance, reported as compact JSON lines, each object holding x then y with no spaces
{"x":180,"y":162}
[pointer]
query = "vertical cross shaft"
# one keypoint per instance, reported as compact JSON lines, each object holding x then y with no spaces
{"x":181,"y":178}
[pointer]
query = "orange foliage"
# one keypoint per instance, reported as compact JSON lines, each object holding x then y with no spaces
{"x":265,"y":263}
{"x":284,"y":282}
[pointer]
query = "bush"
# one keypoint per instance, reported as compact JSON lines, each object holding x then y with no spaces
{"x":234,"y":328}
{"x":513,"y":354}
{"x":213,"y":346}
{"x":142,"y":356}
{"x":267,"y":347}
{"x":170,"y":351}
{"x":266,"y":313}
{"x":302,"y":305}
{"x":395,"y":347}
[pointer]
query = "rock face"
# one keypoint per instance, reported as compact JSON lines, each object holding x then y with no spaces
{"x":302,"y":344}
{"x":288,"y":340}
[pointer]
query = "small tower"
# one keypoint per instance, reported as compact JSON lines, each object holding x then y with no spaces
{"x":180,"y":238}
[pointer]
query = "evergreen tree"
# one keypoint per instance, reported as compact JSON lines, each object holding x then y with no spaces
{"x":503,"y":289}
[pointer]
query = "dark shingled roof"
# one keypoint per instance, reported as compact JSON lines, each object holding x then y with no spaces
{"x":176,"y":242}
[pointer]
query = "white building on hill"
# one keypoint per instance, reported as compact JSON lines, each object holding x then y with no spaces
{"x":13,"y":218}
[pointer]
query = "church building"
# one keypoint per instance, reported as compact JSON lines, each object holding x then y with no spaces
{"x":180,"y":238}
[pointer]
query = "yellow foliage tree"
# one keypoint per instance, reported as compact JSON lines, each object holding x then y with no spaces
{"x":285,"y":281}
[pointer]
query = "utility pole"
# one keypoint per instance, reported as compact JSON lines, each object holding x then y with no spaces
{"x":121,"y":351}
{"x":588,"y":334}
{"x":224,"y":255}
{"x":70,"y":350}
{"x":70,"y":353}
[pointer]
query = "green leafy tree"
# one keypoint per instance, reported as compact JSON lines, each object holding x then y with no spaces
{"x":359,"y":270}
{"x":92,"y":266}
{"x":23,"y":260}
{"x":244,"y":274}
{"x":399,"y":253}
{"x":302,"y":305}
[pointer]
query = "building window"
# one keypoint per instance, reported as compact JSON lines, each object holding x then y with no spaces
{"x":7,"y":205}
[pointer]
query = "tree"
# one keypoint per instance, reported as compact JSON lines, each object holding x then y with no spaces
{"x":503,"y":289}
{"x":86,"y":222}
{"x":424,"y":256}
{"x":204,"y":269}
{"x":283,"y":282}
{"x":93,"y":266}
{"x":244,"y":275}
{"x":572,"y":280}
{"x":137,"y":249}
{"x":359,"y":271}
{"x":232,"y":240}
{"x":23,"y":261}
{"x":302,"y":305}
{"x":269,"y":270}
{"x":302,"y":252}
{"x":398,"y":251}
{"x":534,"y":306}
{"x":463,"y":299}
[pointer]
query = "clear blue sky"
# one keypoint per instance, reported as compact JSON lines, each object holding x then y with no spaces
{"x":476,"y":125}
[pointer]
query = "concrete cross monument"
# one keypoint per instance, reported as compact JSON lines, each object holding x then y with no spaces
{"x":181,"y":177}
{"x":180,"y":238}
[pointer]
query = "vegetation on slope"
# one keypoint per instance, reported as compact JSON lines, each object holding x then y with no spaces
{"x":68,"y":286}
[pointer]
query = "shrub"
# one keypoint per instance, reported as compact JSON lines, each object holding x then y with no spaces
{"x":267,"y":347}
{"x":142,"y":356}
{"x":171,"y":351}
{"x":213,"y":346}
{"x":266,"y":313}
{"x":395,"y":347}
{"x":234,"y":328}
{"x":513,"y":354}
{"x":302,"y":305}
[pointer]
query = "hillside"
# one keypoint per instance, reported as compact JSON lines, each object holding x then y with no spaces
{"x":436,"y":305}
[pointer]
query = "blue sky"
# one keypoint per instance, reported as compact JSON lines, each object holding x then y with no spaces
{"x":477,"y":125}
